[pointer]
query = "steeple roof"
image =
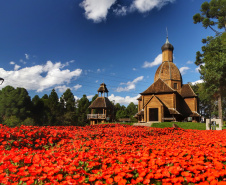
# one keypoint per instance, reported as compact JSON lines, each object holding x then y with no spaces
{"x":103,"y":88}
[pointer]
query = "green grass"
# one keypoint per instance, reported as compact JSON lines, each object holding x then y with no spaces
{"x":184,"y":125}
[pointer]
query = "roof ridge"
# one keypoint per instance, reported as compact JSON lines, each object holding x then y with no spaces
{"x":168,"y":85}
{"x":192,"y":90}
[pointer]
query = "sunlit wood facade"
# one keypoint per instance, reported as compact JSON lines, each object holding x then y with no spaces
{"x":168,"y":99}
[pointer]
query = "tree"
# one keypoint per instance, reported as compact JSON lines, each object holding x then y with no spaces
{"x":82,"y":110}
{"x":67,"y":102}
{"x":213,"y":68}
{"x":131,"y":110}
{"x":38,"y":111}
{"x":212,"y":60}
{"x":212,"y":14}
{"x":15,"y":102}
{"x":207,"y":105}
{"x":53,"y":104}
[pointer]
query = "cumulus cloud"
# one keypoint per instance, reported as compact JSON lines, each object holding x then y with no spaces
{"x":62,"y":88}
{"x":134,"y":69}
{"x":197,"y":82}
{"x":12,"y":63}
{"x":76,"y":87}
{"x":97,"y":10}
{"x":39,"y":77}
{"x":16,"y":67}
{"x":183,"y":70}
{"x":90,"y":97}
{"x":123,"y":100}
{"x":129,"y":85}
{"x":157,"y":61}
{"x":147,"y":5}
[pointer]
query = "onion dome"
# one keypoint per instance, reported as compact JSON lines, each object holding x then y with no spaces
{"x":167,"y":46}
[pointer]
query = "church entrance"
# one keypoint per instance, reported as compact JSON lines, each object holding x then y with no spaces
{"x":153,"y":114}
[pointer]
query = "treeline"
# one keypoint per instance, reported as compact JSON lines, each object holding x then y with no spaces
{"x":17,"y":108}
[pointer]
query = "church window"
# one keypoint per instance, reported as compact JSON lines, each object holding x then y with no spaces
{"x":175,"y":85}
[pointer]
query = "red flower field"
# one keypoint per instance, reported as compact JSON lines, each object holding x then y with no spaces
{"x":111,"y":154}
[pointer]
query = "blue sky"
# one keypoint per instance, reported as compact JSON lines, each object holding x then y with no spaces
{"x":79,"y":44}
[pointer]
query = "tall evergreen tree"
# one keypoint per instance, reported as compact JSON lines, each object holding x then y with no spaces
{"x":54,"y":107}
{"x":82,"y":110}
{"x":67,"y":102}
{"x":38,"y":110}
{"x":213,"y":56}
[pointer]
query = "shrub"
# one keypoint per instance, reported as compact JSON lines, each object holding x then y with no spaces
{"x":12,"y":121}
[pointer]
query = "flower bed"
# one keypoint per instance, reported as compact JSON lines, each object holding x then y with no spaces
{"x":111,"y":154}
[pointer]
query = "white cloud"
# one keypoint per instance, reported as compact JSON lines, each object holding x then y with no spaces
{"x":121,"y":10}
{"x":197,"y":82}
{"x":76,"y":87}
{"x":12,"y":63}
{"x":26,"y":56}
{"x":76,"y":97}
{"x":16,"y":67}
{"x":97,"y":10}
{"x":134,"y":69}
{"x":98,"y":70}
{"x":157,"y":61}
{"x":147,"y":5}
{"x":90,"y":97}
{"x":190,"y":62}
{"x":62,"y":88}
{"x":96,"y":81}
{"x":123,"y":100}
{"x":183,"y":70}
{"x":39,"y":77}
{"x":129,"y":85}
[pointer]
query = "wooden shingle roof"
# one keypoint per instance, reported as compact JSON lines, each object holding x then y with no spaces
{"x":101,"y":102}
{"x":102,"y":88}
{"x":187,"y":91}
{"x":158,"y":87}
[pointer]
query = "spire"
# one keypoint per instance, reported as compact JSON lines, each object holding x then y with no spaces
{"x":167,"y":40}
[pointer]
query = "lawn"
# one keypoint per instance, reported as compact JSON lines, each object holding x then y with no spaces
{"x":184,"y":125}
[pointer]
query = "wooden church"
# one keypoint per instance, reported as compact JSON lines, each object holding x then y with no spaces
{"x":101,"y":108}
{"x":168,"y":99}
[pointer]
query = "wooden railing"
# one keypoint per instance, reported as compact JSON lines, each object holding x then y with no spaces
{"x":96,"y":116}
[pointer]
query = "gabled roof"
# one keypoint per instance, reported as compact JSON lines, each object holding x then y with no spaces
{"x":101,"y":102}
{"x":187,"y":91}
{"x":158,"y":87}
